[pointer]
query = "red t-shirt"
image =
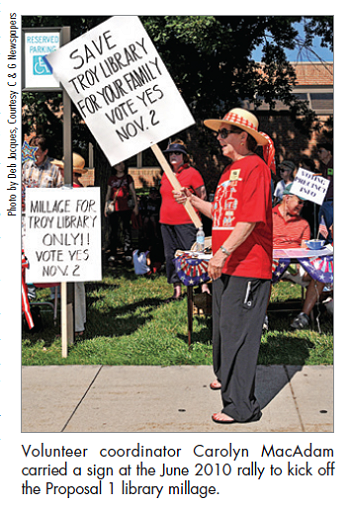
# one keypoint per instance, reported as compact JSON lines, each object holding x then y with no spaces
{"x":244,"y":195}
{"x":120,"y":190}
{"x":172,"y":213}
{"x":291,"y":233}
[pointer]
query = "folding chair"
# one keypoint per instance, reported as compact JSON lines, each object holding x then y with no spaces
{"x":54,"y":306}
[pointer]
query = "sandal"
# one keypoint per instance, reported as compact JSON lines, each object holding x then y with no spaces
{"x":215,"y":385}
{"x":222,"y":418}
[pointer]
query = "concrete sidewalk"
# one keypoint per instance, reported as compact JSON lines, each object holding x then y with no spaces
{"x":169,"y":399}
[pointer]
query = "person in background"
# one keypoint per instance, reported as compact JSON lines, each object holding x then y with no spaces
{"x":121,"y":189}
{"x":308,"y":164}
{"x":151,"y":212}
{"x":78,"y":167}
{"x":151,"y":229}
{"x":286,"y":169}
{"x":290,"y":230}
{"x":310,"y":210}
{"x":241,"y":265}
{"x":141,"y":259}
{"x":178,"y":231}
{"x":41,"y":173}
{"x":78,"y":171}
{"x":325,"y":155}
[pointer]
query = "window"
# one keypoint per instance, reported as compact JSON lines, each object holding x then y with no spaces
{"x":321,"y":101}
{"x":302,"y":96}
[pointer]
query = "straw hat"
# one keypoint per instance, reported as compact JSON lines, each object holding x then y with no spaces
{"x":242,"y":119}
{"x":78,"y":164}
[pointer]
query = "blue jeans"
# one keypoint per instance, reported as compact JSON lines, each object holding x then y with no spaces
{"x":326,"y":210}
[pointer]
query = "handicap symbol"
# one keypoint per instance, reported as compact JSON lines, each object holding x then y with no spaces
{"x":39,"y":66}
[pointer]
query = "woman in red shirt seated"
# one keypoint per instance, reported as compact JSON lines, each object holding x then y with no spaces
{"x":178,"y":231}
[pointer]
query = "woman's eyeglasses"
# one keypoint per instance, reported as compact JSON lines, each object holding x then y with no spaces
{"x":223,"y":133}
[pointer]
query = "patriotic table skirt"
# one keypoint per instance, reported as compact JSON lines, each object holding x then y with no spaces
{"x":191,"y":271}
{"x":319,"y":268}
{"x":194,"y":271}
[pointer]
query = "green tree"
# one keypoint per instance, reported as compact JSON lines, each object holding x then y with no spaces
{"x":210,"y":61}
{"x":43,"y":110}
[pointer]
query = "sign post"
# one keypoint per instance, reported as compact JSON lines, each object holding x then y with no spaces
{"x":38,"y":77}
{"x":67,"y":289}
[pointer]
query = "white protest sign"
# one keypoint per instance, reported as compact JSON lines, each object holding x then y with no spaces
{"x":310,"y":186}
{"x":63,"y":235}
{"x":121,"y":87}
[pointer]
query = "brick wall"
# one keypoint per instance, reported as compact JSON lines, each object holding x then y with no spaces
{"x":290,"y":142}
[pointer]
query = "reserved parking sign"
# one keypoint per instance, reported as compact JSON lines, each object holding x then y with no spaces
{"x":37,"y":73}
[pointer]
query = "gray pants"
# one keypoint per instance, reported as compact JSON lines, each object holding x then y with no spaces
{"x":239,"y":308}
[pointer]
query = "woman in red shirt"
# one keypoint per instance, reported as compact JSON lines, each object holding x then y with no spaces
{"x":178,"y":231}
{"x":120,"y":188}
{"x":241,"y":266}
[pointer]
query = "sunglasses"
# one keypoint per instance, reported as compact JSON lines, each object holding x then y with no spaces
{"x":223,"y":133}
{"x":177,"y":153}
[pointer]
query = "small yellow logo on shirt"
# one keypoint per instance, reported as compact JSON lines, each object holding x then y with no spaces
{"x":234,"y":175}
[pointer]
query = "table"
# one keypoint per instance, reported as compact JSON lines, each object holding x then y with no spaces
{"x":192,"y":267}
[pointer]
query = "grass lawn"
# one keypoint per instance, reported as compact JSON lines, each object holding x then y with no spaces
{"x":130,"y":323}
